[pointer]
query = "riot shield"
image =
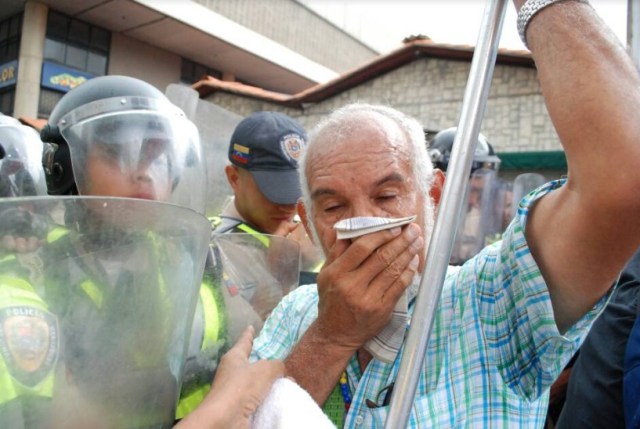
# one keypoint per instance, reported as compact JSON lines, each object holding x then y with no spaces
{"x":215,"y":125}
{"x":95,"y":322}
{"x":481,"y":220}
{"x":522,"y":185}
{"x":255,"y":272}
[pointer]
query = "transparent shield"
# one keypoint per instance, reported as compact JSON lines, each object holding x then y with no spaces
{"x":482,"y":218}
{"x":95,"y":321}
{"x":522,"y":185}
{"x":255,"y":272}
{"x":21,"y":172}
{"x":142,"y":149}
{"x":215,"y":125}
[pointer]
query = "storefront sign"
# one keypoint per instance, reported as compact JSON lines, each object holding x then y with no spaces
{"x":62,"y":78}
{"x":8,"y":73}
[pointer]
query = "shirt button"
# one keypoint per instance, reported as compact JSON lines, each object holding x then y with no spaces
{"x":359,"y":420}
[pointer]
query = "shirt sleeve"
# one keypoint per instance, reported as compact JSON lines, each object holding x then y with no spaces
{"x":516,"y":312}
{"x":286,"y":324}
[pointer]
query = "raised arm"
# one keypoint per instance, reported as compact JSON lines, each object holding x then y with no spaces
{"x":582,"y":235}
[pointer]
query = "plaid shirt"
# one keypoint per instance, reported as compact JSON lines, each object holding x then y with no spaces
{"x":494,"y":350}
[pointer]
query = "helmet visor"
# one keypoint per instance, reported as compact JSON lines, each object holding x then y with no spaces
{"x":21,"y":172}
{"x":152,"y":152}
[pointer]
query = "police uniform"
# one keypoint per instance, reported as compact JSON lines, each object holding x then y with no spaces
{"x":209,"y":340}
{"x":89,"y":294}
{"x":29,"y":347}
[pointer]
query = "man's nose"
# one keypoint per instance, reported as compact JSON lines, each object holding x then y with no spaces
{"x":365,"y":209}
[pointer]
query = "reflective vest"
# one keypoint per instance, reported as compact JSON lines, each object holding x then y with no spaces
{"x":212,"y":321}
{"x":229,"y":225}
{"x":214,"y":337}
{"x":87,"y":294}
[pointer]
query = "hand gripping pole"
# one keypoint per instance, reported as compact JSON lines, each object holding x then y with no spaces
{"x":439,"y":251}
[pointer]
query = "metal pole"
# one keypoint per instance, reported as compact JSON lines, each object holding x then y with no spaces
{"x":439,"y":251}
{"x":633,"y":30}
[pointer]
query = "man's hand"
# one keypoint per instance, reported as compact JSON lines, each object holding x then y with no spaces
{"x":362,"y":281}
{"x":238,"y":389}
{"x":358,"y":288}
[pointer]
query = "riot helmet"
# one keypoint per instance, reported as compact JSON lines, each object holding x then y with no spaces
{"x":21,"y":171}
{"x":120,"y":136}
{"x":442,"y":144}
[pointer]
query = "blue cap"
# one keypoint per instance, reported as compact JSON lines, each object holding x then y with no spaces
{"x":268,"y":145}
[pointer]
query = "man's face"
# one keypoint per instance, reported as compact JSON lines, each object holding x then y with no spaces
{"x":367,"y":173}
{"x":254,"y":207}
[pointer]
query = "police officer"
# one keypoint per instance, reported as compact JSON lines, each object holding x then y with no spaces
{"x":119,"y":136}
{"x":481,"y":221}
{"x":263,"y":174}
{"x":29,"y":345}
{"x":442,"y":144}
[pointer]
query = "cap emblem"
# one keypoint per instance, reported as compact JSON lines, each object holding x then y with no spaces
{"x":292,"y":146}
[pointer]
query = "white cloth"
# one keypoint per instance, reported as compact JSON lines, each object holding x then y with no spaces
{"x":289,"y":406}
{"x":357,"y":226}
{"x":386,"y":344}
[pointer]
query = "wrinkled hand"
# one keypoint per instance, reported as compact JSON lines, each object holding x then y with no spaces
{"x":239,"y":387}
{"x":361,"y":282}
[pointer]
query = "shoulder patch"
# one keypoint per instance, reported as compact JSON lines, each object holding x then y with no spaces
{"x":29,"y":343}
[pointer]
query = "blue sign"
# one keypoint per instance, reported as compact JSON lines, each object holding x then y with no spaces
{"x":8,"y":73}
{"x":62,"y":78}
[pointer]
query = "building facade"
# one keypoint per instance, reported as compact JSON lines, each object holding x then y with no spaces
{"x":427,"y":81}
{"x":49,"y":46}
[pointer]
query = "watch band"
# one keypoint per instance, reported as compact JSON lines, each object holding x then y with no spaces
{"x":528,"y":10}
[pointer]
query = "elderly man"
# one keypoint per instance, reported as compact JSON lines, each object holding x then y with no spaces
{"x":511,"y":317}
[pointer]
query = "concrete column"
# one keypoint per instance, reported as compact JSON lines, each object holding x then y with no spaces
{"x":34,"y":30}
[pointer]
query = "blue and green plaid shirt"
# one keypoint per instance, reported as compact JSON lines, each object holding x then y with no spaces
{"x":494,"y":350}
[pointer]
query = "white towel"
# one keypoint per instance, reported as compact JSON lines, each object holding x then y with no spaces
{"x":289,"y":406}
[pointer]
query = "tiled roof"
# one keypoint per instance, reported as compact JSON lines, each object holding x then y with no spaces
{"x":410,"y":51}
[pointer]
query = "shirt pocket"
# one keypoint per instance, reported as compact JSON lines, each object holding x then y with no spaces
{"x":435,"y":409}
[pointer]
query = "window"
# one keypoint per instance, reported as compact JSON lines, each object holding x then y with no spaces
{"x":76,"y":44}
{"x":48,"y":100}
{"x":7,"y":99}
{"x":192,"y":72}
{"x":10,"y":30}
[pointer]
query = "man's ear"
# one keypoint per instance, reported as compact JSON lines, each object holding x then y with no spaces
{"x":437,"y":186}
{"x":233,"y":176}
{"x":302,"y":212}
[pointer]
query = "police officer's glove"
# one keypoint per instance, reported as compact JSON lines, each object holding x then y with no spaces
{"x":22,"y":230}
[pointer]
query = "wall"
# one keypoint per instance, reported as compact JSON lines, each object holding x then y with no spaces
{"x":133,"y":58}
{"x":431,"y":90}
{"x":298,"y":28}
